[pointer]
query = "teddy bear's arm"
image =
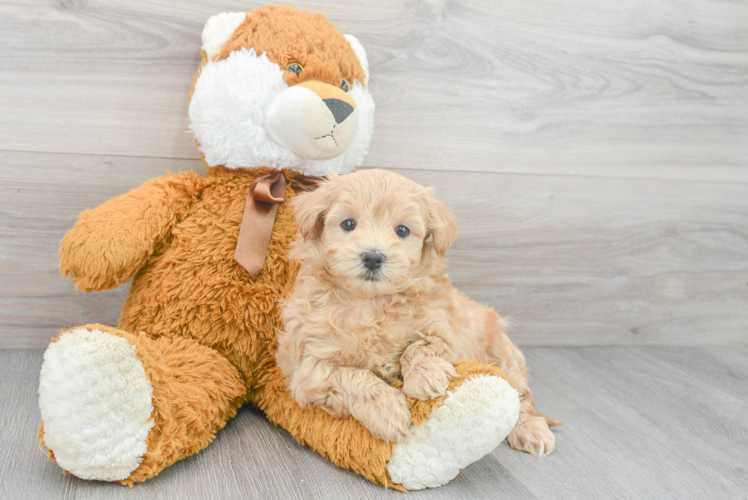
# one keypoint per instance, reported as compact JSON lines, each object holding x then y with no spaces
{"x":111,"y":243}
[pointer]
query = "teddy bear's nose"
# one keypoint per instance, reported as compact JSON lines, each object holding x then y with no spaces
{"x":340,"y":109}
{"x":372,"y":260}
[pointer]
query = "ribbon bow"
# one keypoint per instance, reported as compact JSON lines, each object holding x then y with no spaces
{"x":265,"y":194}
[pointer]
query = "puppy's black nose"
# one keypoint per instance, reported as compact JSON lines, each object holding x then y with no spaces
{"x":372,"y":260}
{"x":340,"y":109}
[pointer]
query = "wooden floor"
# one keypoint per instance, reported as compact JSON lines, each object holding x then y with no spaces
{"x":641,"y":422}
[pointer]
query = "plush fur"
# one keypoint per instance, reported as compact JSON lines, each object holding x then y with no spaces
{"x":350,"y":331}
{"x":458,"y":431}
{"x":95,"y":400}
{"x":202,"y":328}
{"x":237,"y":86}
{"x":218,"y":30}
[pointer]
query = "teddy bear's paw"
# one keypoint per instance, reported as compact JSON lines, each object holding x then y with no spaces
{"x":533,"y":436}
{"x":95,"y":401}
{"x":472,"y":421}
{"x":429,"y":378}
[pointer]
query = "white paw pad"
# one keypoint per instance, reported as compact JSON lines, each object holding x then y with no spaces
{"x":95,"y":401}
{"x":472,"y":422}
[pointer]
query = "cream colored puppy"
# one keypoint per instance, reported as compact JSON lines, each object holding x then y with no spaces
{"x":372,"y":305}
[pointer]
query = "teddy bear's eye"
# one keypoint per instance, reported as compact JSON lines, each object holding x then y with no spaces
{"x":348,"y":225}
{"x":402,"y":231}
{"x":295,"y":68}
{"x":344,"y":85}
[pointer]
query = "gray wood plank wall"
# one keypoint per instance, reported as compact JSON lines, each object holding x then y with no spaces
{"x":595,"y":153}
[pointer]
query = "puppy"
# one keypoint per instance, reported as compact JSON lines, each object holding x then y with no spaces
{"x":372,"y":305}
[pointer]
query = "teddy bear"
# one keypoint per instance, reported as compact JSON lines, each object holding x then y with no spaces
{"x":280,"y":98}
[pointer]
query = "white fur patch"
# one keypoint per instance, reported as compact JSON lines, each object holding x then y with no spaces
{"x":227,"y":112}
{"x":473,"y":420}
{"x":95,"y":401}
{"x":361,"y":55}
{"x":218,"y":30}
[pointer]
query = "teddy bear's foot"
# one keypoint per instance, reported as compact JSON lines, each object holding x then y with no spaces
{"x":121,"y":407}
{"x":95,"y":401}
{"x":472,"y":420}
{"x":449,"y":433}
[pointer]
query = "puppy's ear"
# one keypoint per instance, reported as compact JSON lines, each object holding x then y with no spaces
{"x":310,"y":208}
{"x":442,"y":224}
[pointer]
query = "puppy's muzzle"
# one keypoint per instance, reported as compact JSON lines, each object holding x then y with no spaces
{"x":315,"y":120}
{"x":372,"y":260}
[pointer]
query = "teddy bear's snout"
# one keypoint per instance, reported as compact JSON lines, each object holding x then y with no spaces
{"x":340,"y":109}
{"x":313,"y":119}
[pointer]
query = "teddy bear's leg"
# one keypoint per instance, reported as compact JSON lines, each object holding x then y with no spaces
{"x":121,"y":407}
{"x":449,"y":432}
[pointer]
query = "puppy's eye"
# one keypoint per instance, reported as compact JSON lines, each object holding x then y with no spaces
{"x":402,"y":231}
{"x":345,"y":86}
{"x":295,"y":68}
{"x":348,"y":225}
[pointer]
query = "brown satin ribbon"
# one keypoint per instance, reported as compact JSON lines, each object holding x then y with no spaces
{"x":265,"y":194}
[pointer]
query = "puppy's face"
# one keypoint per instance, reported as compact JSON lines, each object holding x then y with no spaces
{"x":372,"y":230}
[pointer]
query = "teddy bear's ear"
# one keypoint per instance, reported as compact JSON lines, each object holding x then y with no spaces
{"x":310,"y":208}
{"x":442,"y":224}
{"x":218,"y":31}
{"x":361,"y":54}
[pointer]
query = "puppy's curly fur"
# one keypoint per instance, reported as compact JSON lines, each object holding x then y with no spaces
{"x":354,"y":326}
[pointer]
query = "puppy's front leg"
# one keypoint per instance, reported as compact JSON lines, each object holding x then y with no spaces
{"x":343,"y":391}
{"x":426,"y":364}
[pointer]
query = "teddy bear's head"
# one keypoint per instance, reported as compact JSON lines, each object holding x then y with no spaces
{"x":281,"y":88}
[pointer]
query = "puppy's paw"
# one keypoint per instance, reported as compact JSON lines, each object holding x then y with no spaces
{"x":386,"y":415}
{"x":533,"y":436}
{"x":428,"y":378}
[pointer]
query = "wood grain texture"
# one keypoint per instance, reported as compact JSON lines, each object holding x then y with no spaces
{"x":568,"y":260}
{"x":640,"y":422}
{"x":603,"y":185}
{"x":648,"y":88}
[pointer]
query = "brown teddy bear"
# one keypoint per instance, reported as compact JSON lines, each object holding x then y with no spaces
{"x":280,"y":97}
